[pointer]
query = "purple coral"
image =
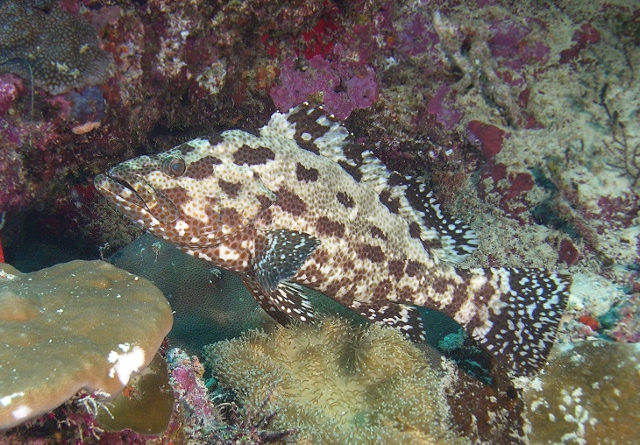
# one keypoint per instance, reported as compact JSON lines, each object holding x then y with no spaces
{"x":344,"y":90}
{"x":10,"y":87}
{"x":512,"y":45}
{"x":201,"y":417}
{"x":11,"y":180}
{"x":441,"y":106}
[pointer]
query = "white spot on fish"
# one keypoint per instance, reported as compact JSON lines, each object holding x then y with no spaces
{"x":227,"y":254}
{"x":181,"y":227}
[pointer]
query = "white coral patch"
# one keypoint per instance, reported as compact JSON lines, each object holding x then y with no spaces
{"x":21,"y":412}
{"x":125,"y":363}
{"x":6,"y":400}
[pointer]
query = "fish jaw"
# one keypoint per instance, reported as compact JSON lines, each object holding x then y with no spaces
{"x":124,"y":196}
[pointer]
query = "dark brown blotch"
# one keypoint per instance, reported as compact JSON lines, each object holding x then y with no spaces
{"x":307,"y":122}
{"x":353,"y":150}
{"x":306,"y":174}
{"x":326,"y":226}
{"x":230,"y":188}
{"x":202,"y":168}
{"x":252,"y":156}
{"x":406,"y":294}
{"x":484,"y":294}
{"x":354,"y":171}
{"x":382,"y":290}
{"x":290,"y":202}
{"x":413,"y":268}
{"x":393,"y":204}
{"x":307,"y":145}
{"x":215,"y":139}
{"x":344,"y":199}
{"x":369,"y":252}
{"x":432,"y":244}
{"x":376,"y":232}
{"x":185,"y":148}
{"x":265,"y":201}
{"x":396,"y":268}
{"x":414,"y":230}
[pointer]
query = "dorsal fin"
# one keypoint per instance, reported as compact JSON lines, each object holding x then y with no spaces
{"x":445,"y":238}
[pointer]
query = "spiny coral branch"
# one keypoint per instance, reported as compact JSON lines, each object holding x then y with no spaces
{"x":625,"y":155}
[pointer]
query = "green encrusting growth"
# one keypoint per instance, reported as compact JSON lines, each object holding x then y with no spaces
{"x":338,"y":383}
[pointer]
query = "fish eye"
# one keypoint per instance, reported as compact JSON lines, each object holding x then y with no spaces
{"x":174,"y":166}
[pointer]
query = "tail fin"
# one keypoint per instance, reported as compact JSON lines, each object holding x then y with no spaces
{"x":517,"y":322}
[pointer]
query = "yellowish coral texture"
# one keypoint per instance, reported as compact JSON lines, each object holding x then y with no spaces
{"x":588,"y":393}
{"x":78,"y":325}
{"x":338,"y":383}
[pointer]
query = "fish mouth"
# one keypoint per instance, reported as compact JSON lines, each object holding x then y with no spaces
{"x":119,"y":191}
{"x":136,"y":197}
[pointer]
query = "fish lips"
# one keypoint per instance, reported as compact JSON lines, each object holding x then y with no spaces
{"x":137,"y":197}
{"x":118,"y":191}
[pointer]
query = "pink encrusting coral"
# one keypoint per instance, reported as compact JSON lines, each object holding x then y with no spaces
{"x":441,"y":106}
{"x":10,"y":87}
{"x":201,"y":417}
{"x":343,"y":90}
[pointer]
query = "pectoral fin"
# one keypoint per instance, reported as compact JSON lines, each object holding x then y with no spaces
{"x":282,"y":255}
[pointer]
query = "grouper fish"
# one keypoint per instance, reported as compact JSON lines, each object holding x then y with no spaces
{"x":301,"y":204}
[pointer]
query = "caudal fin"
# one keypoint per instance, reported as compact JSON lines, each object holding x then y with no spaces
{"x":517,"y":323}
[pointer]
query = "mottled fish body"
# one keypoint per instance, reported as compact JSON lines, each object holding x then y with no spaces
{"x":302,"y":204}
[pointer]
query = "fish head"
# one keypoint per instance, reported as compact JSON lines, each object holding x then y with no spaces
{"x":187,"y":195}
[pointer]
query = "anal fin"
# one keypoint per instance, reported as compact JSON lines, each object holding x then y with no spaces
{"x":405,"y":318}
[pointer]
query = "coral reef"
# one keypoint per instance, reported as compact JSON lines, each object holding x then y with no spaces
{"x":589,"y":392}
{"x":328,"y":382}
{"x":522,"y":117}
{"x":73,"y":326}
